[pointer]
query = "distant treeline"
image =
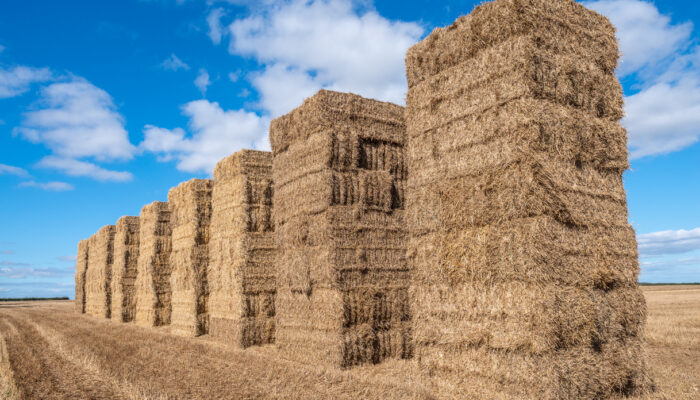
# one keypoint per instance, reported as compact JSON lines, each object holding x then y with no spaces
{"x":667,"y":284}
{"x":35,"y":298}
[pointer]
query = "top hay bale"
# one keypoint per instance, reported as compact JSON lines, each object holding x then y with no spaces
{"x":81,"y":265}
{"x":98,"y":289}
{"x":190,"y":216}
{"x":126,"y":254}
{"x":153,"y":294}
{"x":242,"y":250}
{"x":339,"y":178}
{"x":524,"y":265}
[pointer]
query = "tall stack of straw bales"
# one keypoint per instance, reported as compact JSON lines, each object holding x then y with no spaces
{"x":525,"y":267}
{"x":343,"y":281}
{"x":80,"y":272}
{"x":126,"y":254}
{"x":153,"y":294}
{"x":242,"y":250}
{"x":190,"y":216}
{"x":98,"y":278}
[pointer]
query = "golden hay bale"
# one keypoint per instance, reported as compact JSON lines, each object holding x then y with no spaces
{"x":80,"y":272}
{"x":190,"y":217}
{"x":126,"y":255}
{"x":153,"y":294}
{"x":98,"y":279}
{"x":524,"y":265}
{"x":242,"y":251}
{"x":339,"y":177}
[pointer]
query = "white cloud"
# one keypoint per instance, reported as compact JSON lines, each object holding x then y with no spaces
{"x":669,"y":242}
{"x":51,"y":186}
{"x":26,"y":272}
{"x":216,"y":29}
{"x":173,"y":63}
{"x":74,"y":167}
{"x":215,"y":133}
{"x":202,"y":81}
{"x":324,"y":43}
{"x":17,"y":80}
{"x":11,"y":170}
{"x":71,"y":257}
{"x":77,"y":119}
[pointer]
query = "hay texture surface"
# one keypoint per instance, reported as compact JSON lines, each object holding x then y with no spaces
{"x":525,"y":267}
{"x":126,"y":254}
{"x":190,"y":216}
{"x":81,"y":265}
{"x":343,"y":280}
{"x":242,"y":250}
{"x":98,"y":279}
{"x":153,"y":293}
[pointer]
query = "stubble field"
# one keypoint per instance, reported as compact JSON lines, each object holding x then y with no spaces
{"x":49,"y":352}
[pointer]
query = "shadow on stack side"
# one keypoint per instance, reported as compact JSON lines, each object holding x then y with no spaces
{"x":339,"y":179}
{"x":525,"y":268}
{"x":242,"y":250}
{"x":98,"y":278}
{"x":126,"y":254}
{"x":190,"y":216}
{"x":81,"y":265}
{"x":153,"y":294}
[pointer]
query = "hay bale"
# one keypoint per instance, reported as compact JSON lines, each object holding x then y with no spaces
{"x":524,"y":266}
{"x":80,"y":272}
{"x":153,"y":294}
{"x":98,"y":278}
{"x":190,"y":216}
{"x":343,"y":280}
{"x":242,"y":251}
{"x":126,"y":255}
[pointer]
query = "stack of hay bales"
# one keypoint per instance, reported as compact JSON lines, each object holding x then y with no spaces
{"x":80,"y":272}
{"x":98,"y":279}
{"x":126,"y":254}
{"x":242,"y":250}
{"x":343,"y":281}
{"x":153,"y":293}
{"x":525,"y":266}
{"x":190,"y":216}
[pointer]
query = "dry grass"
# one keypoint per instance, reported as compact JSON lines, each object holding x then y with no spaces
{"x":57,"y":354}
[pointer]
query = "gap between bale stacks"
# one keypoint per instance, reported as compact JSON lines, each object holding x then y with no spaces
{"x":242,"y":251}
{"x":525,"y":267}
{"x":98,"y":278}
{"x":190,"y":217}
{"x":153,"y":292}
{"x":126,"y":254}
{"x":339,"y":177}
{"x":81,"y":266}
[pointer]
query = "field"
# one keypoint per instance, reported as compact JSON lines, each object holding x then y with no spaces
{"x":49,"y":352}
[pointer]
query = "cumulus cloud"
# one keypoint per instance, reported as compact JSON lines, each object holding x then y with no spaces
{"x":18,"y":80}
{"x":77,"y":119}
{"x":323,"y":43}
{"x":12,"y":170}
{"x":202,"y":81}
{"x":51,"y":186}
{"x":214,"y":134}
{"x":669,"y":242}
{"x":173,"y":63}
{"x":216,"y":29}
{"x":79,"y":168}
{"x":664,"y":114}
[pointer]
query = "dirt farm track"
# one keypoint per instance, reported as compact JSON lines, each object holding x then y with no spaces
{"x":49,"y":352}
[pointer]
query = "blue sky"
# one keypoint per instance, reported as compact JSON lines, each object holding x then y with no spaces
{"x":105,"y":105}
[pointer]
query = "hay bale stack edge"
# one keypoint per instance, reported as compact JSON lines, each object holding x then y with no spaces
{"x":126,"y":254}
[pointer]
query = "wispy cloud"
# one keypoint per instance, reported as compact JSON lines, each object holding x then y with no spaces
{"x":83,"y":169}
{"x":18,"y":80}
{"x":202,"y":81}
{"x":173,"y":63}
{"x":6,"y":263}
{"x":54,"y":186}
{"x":7,"y":252}
{"x":67,"y":258}
{"x":669,"y":242}
{"x":216,"y":29}
{"x":21,"y":272}
{"x":12,"y":170}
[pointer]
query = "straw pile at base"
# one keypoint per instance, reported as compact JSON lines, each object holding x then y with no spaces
{"x":242,"y":251}
{"x":153,"y":293}
{"x":190,"y":216}
{"x":126,"y":255}
{"x":98,"y":279}
{"x":81,"y":265}
{"x":343,"y":279}
{"x":525,"y":267}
